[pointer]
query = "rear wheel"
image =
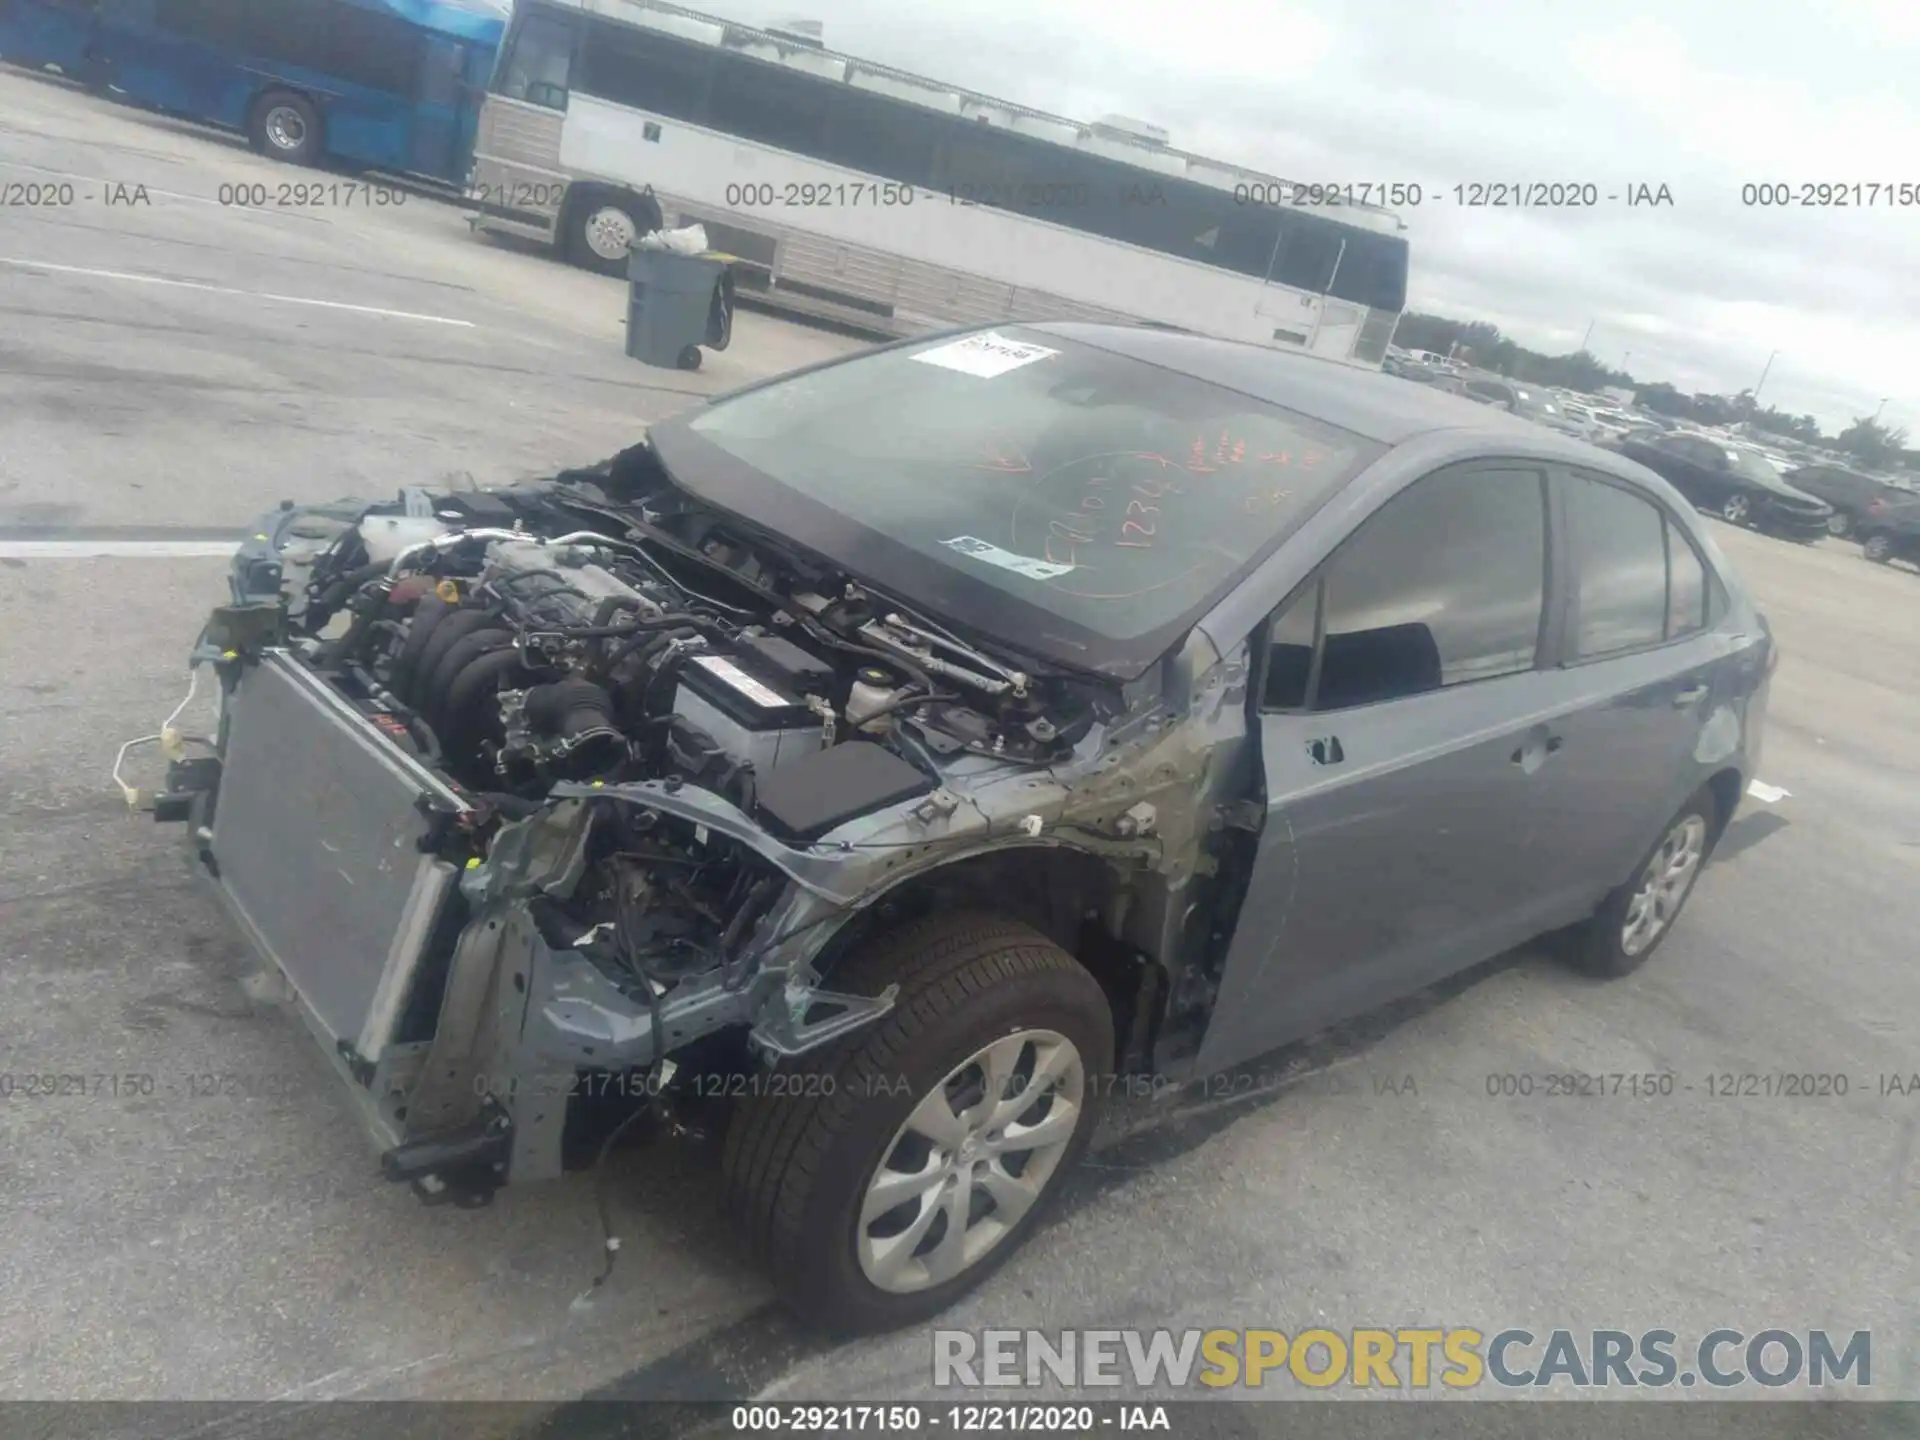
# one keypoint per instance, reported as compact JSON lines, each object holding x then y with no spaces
{"x":1736,"y":508}
{"x":285,"y":127}
{"x":1877,"y":548}
{"x":881,"y":1179}
{"x":1632,"y":922}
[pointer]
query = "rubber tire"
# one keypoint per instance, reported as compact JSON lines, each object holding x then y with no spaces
{"x":645,"y":215}
{"x":1883,"y":554}
{"x":1839,"y":524}
{"x":690,"y":358}
{"x":309,"y":150}
{"x":796,"y":1163}
{"x":1745,"y":517}
{"x":1596,"y":948}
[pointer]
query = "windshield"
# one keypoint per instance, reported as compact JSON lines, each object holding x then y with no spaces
{"x":1755,"y":466}
{"x":1017,"y":479}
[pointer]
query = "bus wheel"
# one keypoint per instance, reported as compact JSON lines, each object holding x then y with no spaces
{"x":602,"y":224}
{"x":285,"y":127}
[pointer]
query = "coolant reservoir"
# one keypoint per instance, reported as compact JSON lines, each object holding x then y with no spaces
{"x":873,"y":689}
{"x":385,"y":536}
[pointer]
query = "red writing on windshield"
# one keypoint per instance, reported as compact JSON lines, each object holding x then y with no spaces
{"x":1206,"y":457}
{"x":1126,"y":514}
{"x":1003,"y":459}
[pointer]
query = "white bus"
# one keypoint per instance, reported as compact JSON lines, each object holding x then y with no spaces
{"x":859,"y":193}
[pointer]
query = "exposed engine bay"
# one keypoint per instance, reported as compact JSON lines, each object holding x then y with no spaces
{"x":531,"y":636}
{"x":647,"y":766}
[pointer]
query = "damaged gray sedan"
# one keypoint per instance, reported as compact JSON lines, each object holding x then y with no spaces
{"x":903,"y":753}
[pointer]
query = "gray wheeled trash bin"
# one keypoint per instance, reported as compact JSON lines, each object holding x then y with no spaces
{"x":669,"y":300}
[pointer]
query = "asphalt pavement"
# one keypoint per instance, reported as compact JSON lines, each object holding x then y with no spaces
{"x":172,"y":366}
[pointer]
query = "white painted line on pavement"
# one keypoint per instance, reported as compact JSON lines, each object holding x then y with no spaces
{"x":1760,"y":790}
{"x":117,"y":549}
{"x":226,"y":290}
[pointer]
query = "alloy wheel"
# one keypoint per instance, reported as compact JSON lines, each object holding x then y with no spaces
{"x":1664,"y":884}
{"x":971,"y":1159}
{"x":1736,"y":508}
{"x":1837,"y":523}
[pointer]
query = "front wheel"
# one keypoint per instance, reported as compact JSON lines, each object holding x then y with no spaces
{"x":601,"y":227}
{"x":286,"y":127}
{"x":880,"y":1180}
{"x":1877,"y":548}
{"x":1839,"y":524}
{"x":1632,"y":921}
{"x":1736,"y":509}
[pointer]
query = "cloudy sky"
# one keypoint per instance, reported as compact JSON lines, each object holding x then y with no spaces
{"x":1699,"y":95}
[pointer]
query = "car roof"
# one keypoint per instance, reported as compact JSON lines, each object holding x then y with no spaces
{"x":1369,"y":403}
{"x":1832,"y":467}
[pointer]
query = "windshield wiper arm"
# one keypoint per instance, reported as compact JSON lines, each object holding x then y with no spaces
{"x":895,"y":632}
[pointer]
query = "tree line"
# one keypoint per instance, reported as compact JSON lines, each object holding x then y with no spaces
{"x":1872,"y":443}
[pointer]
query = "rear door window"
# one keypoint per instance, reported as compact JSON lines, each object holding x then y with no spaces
{"x":1618,"y":543}
{"x":1637,"y":578}
{"x":1689,"y":593}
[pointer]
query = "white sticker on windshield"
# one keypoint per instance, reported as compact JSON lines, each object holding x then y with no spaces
{"x":985,"y":355}
{"x":1020,"y":564}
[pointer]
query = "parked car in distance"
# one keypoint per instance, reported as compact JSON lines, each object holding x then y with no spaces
{"x":1643,"y":433}
{"x":1030,"y":789}
{"x":1421,"y":365}
{"x":1581,"y":415}
{"x":1735,"y":484}
{"x":1889,"y":529}
{"x":1849,"y":492}
{"x":1526,"y":401}
{"x":1612,"y":421}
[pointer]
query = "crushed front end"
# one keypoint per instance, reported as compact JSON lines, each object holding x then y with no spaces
{"x":544,"y":799}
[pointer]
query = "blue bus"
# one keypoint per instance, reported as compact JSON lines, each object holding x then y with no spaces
{"x":391,"y":85}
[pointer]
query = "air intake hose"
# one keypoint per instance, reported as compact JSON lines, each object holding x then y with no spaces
{"x":579,"y":714}
{"x":469,"y":708}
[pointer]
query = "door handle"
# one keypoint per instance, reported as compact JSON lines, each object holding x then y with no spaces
{"x":1689,"y":696}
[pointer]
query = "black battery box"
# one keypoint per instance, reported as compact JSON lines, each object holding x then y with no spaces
{"x":808,"y":798}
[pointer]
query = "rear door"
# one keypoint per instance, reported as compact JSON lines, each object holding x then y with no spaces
{"x":1641,"y":686}
{"x":1400,"y":753}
